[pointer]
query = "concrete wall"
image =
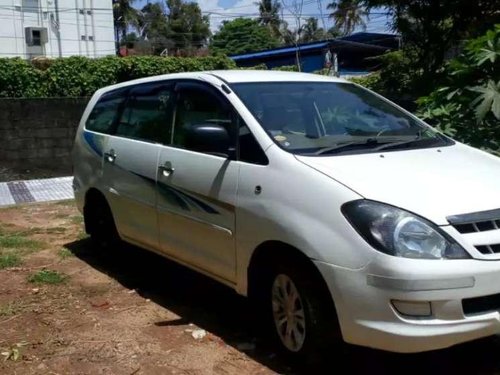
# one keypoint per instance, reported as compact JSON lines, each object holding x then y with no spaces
{"x":39,"y":132}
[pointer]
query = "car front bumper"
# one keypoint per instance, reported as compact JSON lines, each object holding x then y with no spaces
{"x":365,"y":301}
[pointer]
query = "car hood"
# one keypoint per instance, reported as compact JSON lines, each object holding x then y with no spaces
{"x":433,"y":182}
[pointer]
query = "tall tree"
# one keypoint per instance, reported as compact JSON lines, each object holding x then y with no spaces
{"x":189,"y":30}
{"x":348,"y":14}
{"x":310,"y":31}
{"x":125,"y":15}
{"x":431,"y":29}
{"x":269,"y":15}
{"x":154,"y":27}
{"x":242,"y":35}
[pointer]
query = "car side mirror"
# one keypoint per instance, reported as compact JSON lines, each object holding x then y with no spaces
{"x":209,"y":138}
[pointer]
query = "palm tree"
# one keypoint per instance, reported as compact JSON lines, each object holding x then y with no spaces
{"x":348,"y":14}
{"x":269,"y":15}
{"x":124,"y":15}
{"x":310,"y":32}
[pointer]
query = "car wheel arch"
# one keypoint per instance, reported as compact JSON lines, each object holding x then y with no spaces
{"x":270,"y":252}
{"x":92,"y":196}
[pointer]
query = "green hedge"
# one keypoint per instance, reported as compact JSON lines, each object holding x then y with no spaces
{"x":81,"y":76}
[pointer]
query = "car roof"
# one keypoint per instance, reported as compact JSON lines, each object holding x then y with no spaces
{"x":235,"y":76}
{"x":231,"y":76}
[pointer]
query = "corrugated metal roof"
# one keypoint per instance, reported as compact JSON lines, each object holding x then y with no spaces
{"x":367,"y":40}
{"x":282,"y":50}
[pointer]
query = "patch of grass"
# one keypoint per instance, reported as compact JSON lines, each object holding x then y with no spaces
{"x":47,"y":277}
{"x":82,"y":235}
{"x":65,"y":253}
{"x":66,"y":203}
{"x":18,"y":241}
{"x":11,"y":308}
{"x":9,"y":260}
{"x":77,"y":219}
{"x":55,"y":230}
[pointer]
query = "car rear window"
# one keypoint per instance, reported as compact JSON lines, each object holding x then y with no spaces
{"x":105,"y":112}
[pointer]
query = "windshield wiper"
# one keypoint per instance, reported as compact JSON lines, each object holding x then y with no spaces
{"x":371,"y":142}
{"x":397,"y":144}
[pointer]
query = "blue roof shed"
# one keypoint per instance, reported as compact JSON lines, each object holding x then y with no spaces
{"x":352,"y":52}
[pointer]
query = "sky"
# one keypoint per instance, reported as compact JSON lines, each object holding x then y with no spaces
{"x":220,"y":10}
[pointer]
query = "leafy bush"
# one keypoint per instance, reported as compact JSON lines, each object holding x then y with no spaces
{"x":399,"y":77}
{"x":18,"y":78}
{"x":81,"y":76}
{"x":467,"y":106}
{"x":370,"y":81}
{"x":286,"y":68}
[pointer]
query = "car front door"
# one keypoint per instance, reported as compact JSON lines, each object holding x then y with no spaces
{"x":197,"y":191}
{"x":131,"y":157}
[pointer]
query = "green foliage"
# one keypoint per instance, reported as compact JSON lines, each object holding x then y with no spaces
{"x":286,"y":68}
{"x":18,"y":241}
{"x":47,"y":277}
{"x":242,"y":35}
{"x":348,"y":14}
{"x":125,"y":15}
{"x":187,"y":28}
{"x":65,"y":253}
{"x":310,"y":31}
{"x":467,"y":106}
{"x":370,"y":81}
{"x":432,"y":30}
{"x":18,"y":78}
{"x":9,"y":260}
{"x":399,"y":77}
{"x":81,"y":76}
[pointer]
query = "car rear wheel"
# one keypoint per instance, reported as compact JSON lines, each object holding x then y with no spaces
{"x":99,"y":223}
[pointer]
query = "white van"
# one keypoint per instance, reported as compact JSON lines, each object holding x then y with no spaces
{"x":343,"y":215}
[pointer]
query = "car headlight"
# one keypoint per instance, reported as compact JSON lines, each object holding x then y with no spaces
{"x":400,"y":233}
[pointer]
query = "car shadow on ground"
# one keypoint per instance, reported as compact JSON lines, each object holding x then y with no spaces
{"x":217,"y":309}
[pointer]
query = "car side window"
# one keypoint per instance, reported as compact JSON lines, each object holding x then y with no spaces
{"x":148,"y":115}
{"x":249,"y":149}
{"x":104,"y":114}
{"x":196,"y":106}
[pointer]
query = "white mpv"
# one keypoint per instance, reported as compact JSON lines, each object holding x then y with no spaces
{"x":341,"y":214}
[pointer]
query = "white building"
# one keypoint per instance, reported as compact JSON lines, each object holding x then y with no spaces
{"x":56,"y":28}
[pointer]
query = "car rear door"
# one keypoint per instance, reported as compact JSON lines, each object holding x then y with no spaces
{"x":197,"y":191}
{"x":131,"y":157}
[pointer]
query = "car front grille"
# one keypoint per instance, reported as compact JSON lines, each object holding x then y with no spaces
{"x":470,"y":225}
{"x":480,"y":226}
{"x":489,"y":249}
{"x":480,"y":305}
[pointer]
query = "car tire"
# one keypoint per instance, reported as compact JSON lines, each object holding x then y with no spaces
{"x":100,"y":224}
{"x":305,"y":329}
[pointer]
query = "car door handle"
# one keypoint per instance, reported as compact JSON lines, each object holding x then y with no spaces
{"x":110,"y":156}
{"x":166,"y":169}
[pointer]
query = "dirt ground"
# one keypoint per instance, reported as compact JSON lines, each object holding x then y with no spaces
{"x":67,"y":309}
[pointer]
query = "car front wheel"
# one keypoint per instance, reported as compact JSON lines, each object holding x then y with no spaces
{"x":302,"y":312}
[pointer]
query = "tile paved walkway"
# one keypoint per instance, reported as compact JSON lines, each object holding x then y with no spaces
{"x":44,"y":190}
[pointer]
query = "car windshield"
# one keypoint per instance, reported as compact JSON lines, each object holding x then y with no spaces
{"x":321,"y":118}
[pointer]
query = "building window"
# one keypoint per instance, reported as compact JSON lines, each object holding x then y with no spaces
{"x":84,"y":37}
{"x":37,"y":37}
{"x":91,"y":38}
{"x":30,"y":6}
{"x":82,"y":11}
{"x":89,"y":12}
